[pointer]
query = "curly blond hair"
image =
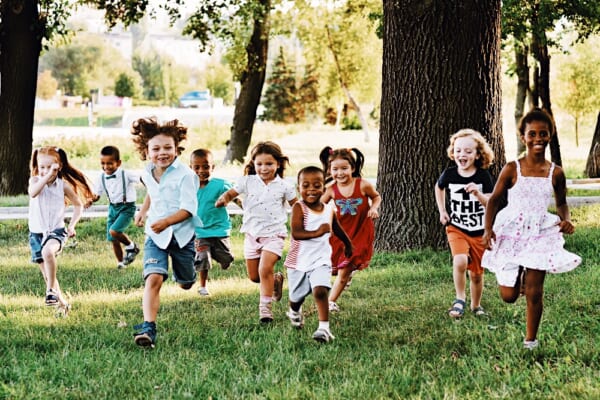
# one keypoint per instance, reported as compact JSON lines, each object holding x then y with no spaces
{"x":486,"y":155}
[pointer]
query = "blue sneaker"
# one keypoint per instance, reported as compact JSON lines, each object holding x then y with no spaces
{"x":131,"y":254}
{"x":145,"y":335}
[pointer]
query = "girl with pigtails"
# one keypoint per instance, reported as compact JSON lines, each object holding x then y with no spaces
{"x":357,"y":204}
{"x":52,"y":184}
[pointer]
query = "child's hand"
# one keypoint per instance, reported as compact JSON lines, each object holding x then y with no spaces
{"x":348,"y":250}
{"x":139,"y":219}
{"x":373,"y":213}
{"x":566,"y":227}
{"x":159,"y":226}
{"x":444,"y":218}
{"x":323,"y":229}
{"x":71,"y":232}
{"x":220,"y":202}
{"x":472,"y":188}
{"x":488,"y":239}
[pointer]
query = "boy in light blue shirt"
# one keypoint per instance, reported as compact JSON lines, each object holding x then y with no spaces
{"x":212,"y":237}
{"x":170,"y":206}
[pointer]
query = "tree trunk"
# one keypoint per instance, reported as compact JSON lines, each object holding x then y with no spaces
{"x":252,"y":82}
{"x":592,"y":166}
{"x":344,"y":86}
{"x":522,"y":67}
{"x":441,"y":73}
{"x":20,"y":45}
{"x":544,"y":90}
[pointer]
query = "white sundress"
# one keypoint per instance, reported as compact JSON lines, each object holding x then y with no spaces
{"x":527,"y":234}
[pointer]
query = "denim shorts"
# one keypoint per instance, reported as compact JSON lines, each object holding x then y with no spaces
{"x":119,"y":218}
{"x":38,"y":240}
{"x":156,"y":261}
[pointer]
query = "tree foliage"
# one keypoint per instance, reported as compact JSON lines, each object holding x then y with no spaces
{"x":46,"y":85}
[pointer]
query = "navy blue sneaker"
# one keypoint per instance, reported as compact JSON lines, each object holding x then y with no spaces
{"x":131,"y":254}
{"x":145,"y":335}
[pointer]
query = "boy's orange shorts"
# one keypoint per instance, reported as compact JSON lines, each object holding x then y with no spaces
{"x":461,"y":243}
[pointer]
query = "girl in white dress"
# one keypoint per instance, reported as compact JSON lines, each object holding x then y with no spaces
{"x":526,"y":241}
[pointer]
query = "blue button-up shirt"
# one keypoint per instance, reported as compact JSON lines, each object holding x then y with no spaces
{"x":175,"y":191}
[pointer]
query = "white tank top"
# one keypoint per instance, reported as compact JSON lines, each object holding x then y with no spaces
{"x":47,"y":209}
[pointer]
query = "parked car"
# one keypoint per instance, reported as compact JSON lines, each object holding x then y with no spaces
{"x":196,"y":99}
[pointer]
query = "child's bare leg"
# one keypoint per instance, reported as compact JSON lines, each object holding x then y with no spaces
{"x":459,"y":269}
{"x":534,"y":292}
{"x":320,"y":294}
{"x":340,"y":282}
{"x":476,"y":287}
{"x":151,"y":299}
{"x":43,"y":271}
{"x":49,"y":255}
{"x":117,"y":250}
{"x":266,"y":267}
{"x":252,"y":269}
{"x":203,"y":277}
{"x":120,"y":237}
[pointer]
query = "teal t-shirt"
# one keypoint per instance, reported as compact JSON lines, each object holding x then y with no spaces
{"x":215,"y":220}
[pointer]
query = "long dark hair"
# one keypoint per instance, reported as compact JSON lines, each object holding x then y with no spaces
{"x":271,"y":148}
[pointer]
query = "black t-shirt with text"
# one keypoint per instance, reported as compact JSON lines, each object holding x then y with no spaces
{"x":465,"y":211}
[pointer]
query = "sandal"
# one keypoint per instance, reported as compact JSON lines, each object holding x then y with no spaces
{"x":458,"y":312}
{"x":479,"y":311}
{"x":52,"y":298}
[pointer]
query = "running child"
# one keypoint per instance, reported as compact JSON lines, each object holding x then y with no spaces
{"x":170,"y":206}
{"x":468,"y":185}
{"x":212,"y":237}
{"x":52,"y":184}
{"x":119,"y":187}
{"x":523,"y":240}
{"x":264,"y":219}
{"x":357,"y":204}
{"x":309,"y":260}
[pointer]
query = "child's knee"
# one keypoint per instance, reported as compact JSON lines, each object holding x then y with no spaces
{"x":477,"y":279}
{"x":460,"y":261}
{"x":508,"y":294}
{"x":321,"y":293}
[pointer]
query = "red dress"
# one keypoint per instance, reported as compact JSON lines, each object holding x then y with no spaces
{"x":352,"y":214}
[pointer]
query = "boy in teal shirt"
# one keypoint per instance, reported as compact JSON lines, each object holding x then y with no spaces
{"x":212,"y":238}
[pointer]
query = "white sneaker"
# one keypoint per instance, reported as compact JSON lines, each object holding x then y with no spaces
{"x":121,"y":265}
{"x":333,"y":307}
{"x":530,"y":344}
{"x":203,"y":291}
{"x":323,"y":335}
{"x":296,"y":318}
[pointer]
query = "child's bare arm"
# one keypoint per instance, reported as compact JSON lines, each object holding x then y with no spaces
{"x":77,"y":208}
{"x":140,"y":217}
{"x":440,"y":200}
{"x":505,"y":182}
{"x":559,"y":183}
{"x":226,"y":198}
{"x":341,"y":234}
{"x":175,"y":218}
{"x":473,"y":189}
{"x":297,"y":225}
{"x":369,"y":190}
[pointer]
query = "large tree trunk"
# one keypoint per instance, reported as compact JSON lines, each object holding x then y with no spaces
{"x":592,"y":166}
{"x":20,"y":45}
{"x":441,"y":73}
{"x":251,"y":87}
{"x":522,"y":68}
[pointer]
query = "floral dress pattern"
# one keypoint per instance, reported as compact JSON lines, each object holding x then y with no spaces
{"x":527,"y":234}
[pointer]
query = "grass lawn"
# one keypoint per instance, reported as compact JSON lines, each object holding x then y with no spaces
{"x":393,"y":337}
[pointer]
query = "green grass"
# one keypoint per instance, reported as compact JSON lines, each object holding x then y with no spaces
{"x":394,"y":339}
{"x":108,"y":118}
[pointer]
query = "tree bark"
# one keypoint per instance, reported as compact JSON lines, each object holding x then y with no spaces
{"x":20,"y":45}
{"x":592,"y":166}
{"x":252,"y":82}
{"x":522,"y":68}
{"x":441,"y":73}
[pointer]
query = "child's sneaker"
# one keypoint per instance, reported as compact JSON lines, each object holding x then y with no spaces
{"x":323,"y":335}
{"x":264,"y":313}
{"x":130,"y":254}
{"x":277,"y":286}
{"x":530,"y":344}
{"x":225,"y":266}
{"x":296,"y":318}
{"x":121,"y":265}
{"x":333,"y":307}
{"x":203,"y":291}
{"x":146,"y":334}
{"x":52,"y":299}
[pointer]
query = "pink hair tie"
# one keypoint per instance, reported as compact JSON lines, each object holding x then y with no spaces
{"x":330,"y":151}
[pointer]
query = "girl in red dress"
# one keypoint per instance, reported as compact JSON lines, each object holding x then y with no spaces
{"x":357,"y":204}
